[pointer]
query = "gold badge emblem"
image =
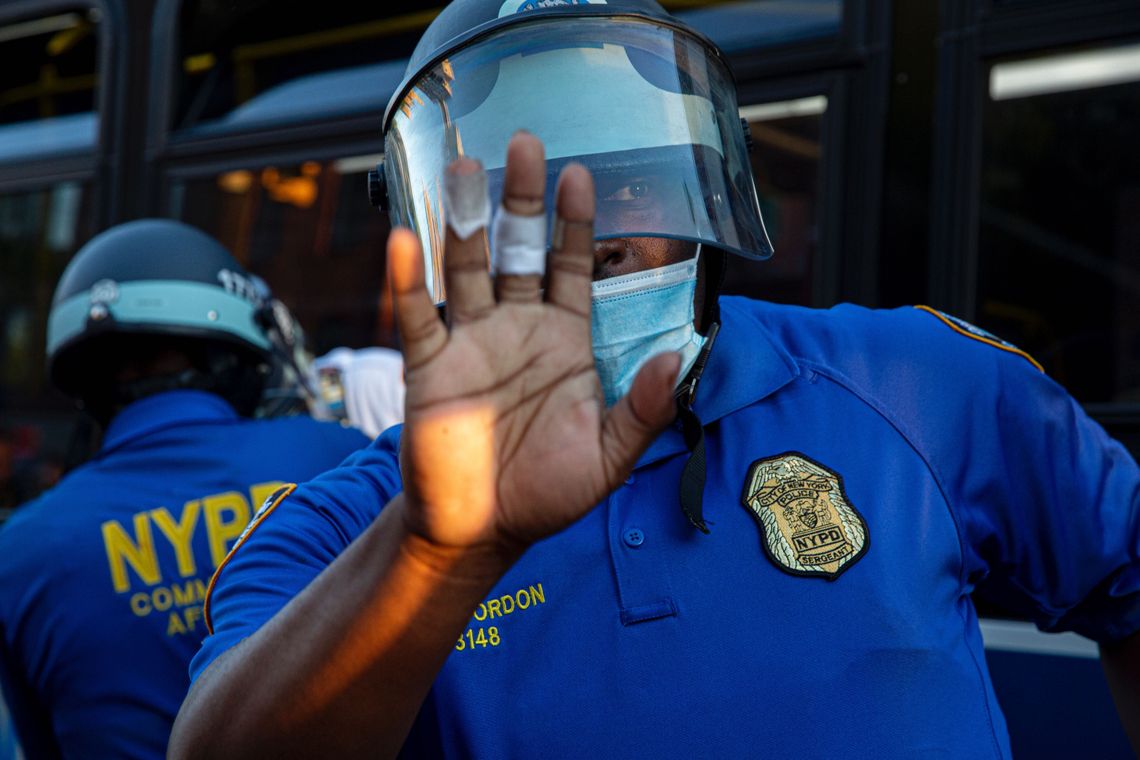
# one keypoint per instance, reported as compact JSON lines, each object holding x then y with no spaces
{"x":809,"y":526}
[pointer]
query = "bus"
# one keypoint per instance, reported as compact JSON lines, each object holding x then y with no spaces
{"x":977,"y":156}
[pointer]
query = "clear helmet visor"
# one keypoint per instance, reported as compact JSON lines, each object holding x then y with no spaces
{"x":651,"y":112}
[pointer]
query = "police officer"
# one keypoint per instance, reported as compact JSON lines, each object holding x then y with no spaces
{"x":626,"y":517}
{"x":164,"y":340}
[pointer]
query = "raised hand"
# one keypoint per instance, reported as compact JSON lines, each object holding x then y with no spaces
{"x":506,"y":440}
{"x":506,"y":437}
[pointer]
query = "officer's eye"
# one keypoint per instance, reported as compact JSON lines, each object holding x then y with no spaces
{"x":631,"y":192}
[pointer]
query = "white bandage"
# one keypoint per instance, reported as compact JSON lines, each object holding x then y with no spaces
{"x":518,"y":243}
{"x":467,"y":206}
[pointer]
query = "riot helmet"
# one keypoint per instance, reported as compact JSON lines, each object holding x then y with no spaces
{"x":153,"y":285}
{"x":644,"y":102}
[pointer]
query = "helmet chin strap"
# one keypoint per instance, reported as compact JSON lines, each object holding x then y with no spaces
{"x":693,"y":475}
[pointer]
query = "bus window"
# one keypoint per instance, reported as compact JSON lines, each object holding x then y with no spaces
{"x":310,"y":232}
{"x":236,"y":59}
{"x":253,"y":64}
{"x":48,"y":85}
{"x":786,"y":163}
{"x":48,"y":112}
{"x":1059,"y":220}
{"x":739,"y":27}
{"x":39,"y":232}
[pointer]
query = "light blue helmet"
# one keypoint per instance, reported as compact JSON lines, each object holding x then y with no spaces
{"x":161,"y":281}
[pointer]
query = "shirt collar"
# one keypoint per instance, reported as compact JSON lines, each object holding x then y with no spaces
{"x":745,"y":365}
{"x":164,"y":410}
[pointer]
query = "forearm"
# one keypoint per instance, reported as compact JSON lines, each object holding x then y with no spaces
{"x":1121,"y":663}
{"x":342,"y":670}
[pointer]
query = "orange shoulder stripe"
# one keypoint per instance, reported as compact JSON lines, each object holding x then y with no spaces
{"x":981,"y":338}
{"x":277,"y":497}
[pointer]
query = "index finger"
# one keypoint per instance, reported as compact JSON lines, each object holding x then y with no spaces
{"x":422,"y":333}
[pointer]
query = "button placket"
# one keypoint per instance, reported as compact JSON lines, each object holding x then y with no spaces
{"x":643,"y":593}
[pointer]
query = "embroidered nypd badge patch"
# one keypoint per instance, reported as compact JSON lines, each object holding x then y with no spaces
{"x":808,"y":524}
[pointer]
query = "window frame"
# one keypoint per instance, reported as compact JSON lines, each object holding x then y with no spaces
{"x":847,"y":68}
{"x":103,"y":165}
{"x":826,"y":281}
{"x":100,"y":169}
{"x":851,"y":71}
{"x":859,"y":31}
{"x":168,"y":145}
{"x":974,"y":37}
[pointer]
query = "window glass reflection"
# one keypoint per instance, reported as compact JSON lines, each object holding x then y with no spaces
{"x":786,"y":163}
{"x":1059,"y":232}
{"x":39,"y":232}
{"x":249,"y":64}
{"x":48,"y":84}
{"x":737,"y":27}
{"x":310,"y":232}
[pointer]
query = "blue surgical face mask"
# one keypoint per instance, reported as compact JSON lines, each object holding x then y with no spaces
{"x":637,"y":316}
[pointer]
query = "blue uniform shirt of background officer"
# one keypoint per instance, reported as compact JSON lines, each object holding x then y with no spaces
{"x":170,"y":346}
{"x":786,"y":570}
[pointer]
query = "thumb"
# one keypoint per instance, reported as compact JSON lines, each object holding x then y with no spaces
{"x":632,"y":424}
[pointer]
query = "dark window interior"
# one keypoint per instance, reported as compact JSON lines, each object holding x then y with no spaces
{"x":39,"y":232}
{"x":1059,"y":235}
{"x":50,"y":66}
{"x":310,"y":232}
{"x":786,"y":162}
{"x":231,"y":52}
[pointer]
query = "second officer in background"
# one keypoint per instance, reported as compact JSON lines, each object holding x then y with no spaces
{"x":169,"y":345}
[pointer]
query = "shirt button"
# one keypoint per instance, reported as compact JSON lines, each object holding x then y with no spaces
{"x":629,"y":480}
{"x":634,"y":537}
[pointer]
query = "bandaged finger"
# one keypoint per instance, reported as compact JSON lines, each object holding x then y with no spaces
{"x":467,"y":205}
{"x":518,"y":243}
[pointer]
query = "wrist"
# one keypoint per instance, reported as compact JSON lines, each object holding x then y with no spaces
{"x":480,"y":563}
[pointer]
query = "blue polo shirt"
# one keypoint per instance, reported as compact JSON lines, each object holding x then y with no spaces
{"x":867,"y":470}
{"x":102,"y":578}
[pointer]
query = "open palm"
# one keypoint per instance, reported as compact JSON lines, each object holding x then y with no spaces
{"x":506,"y":437}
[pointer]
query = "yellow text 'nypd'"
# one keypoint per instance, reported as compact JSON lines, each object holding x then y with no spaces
{"x":133,"y":551}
